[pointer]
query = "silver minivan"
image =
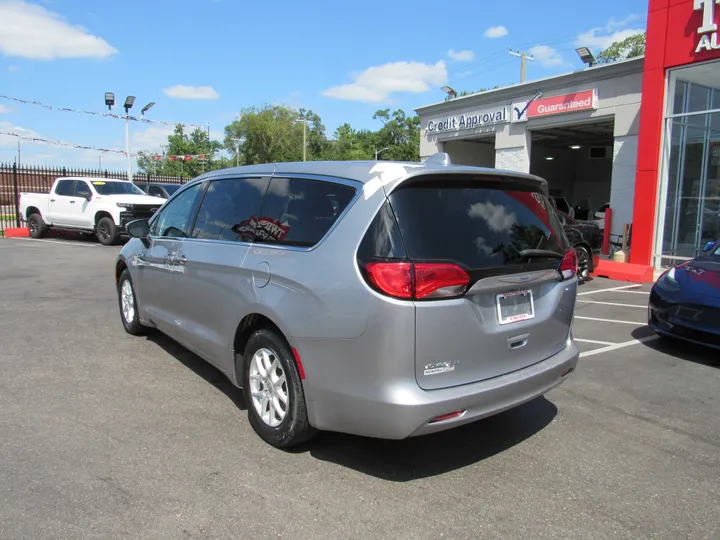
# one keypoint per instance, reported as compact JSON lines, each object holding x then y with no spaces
{"x":382,"y":299}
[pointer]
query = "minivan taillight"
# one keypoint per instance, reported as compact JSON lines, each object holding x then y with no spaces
{"x":417,"y":281}
{"x":569,"y":265}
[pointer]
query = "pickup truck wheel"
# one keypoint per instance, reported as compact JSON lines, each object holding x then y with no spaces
{"x":36,"y":226}
{"x":128,"y":306}
{"x":107,"y":231}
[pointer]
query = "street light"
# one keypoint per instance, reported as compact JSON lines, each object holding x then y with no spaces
{"x":450,"y":92}
{"x":146,"y":108}
{"x":378,"y":152}
{"x":586,"y":55}
{"x":129,"y":102}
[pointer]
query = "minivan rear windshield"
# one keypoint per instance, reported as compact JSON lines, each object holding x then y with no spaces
{"x":480,"y":224}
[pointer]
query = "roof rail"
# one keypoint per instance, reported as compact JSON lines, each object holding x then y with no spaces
{"x":441,"y":158}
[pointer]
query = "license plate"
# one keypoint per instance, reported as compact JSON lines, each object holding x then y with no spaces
{"x":515,"y":307}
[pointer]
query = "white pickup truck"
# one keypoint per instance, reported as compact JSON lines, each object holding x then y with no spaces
{"x":98,"y":206}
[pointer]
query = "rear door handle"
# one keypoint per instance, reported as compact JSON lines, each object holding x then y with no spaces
{"x":72,"y":202}
{"x":52,"y":200}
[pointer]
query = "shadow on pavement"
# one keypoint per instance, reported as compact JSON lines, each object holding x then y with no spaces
{"x":430,"y":455}
{"x":684,"y":350}
{"x":200,"y":367}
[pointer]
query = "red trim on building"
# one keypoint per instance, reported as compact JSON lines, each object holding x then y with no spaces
{"x":672,"y":39}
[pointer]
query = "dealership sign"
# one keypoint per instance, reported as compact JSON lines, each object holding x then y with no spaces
{"x":538,"y":108}
{"x":470,"y":120}
{"x":708,"y":30}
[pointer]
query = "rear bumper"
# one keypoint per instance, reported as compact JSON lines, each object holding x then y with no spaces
{"x":405,"y":410}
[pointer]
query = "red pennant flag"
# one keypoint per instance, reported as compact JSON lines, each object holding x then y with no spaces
{"x":187,"y":158}
{"x":172,"y":158}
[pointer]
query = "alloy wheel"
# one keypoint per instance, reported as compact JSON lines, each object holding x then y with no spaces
{"x":583,"y":263}
{"x":268,"y":387}
{"x":127,"y":301}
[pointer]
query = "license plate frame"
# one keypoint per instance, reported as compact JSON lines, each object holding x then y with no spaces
{"x":519,"y":317}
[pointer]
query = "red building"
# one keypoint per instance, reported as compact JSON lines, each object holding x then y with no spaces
{"x":677,"y":189}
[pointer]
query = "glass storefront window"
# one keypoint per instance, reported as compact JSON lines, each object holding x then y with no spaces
{"x":689,"y":209}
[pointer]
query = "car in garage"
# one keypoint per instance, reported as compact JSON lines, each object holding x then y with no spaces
{"x":586,"y":239}
{"x":381,"y":299}
{"x":685,"y":300}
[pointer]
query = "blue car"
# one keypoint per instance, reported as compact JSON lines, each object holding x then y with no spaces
{"x":685,"y":300}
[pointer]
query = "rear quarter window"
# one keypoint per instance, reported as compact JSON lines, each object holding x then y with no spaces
{"x":299,"y":211}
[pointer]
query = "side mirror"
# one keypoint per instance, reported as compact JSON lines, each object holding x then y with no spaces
{"x":709,"y":247}
{"x":138,"y":228}
{"x":85,"y":195}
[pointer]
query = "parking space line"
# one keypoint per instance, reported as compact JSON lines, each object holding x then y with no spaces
{"x":61,"y":242}
{"x":618,"y":346}
{"x":612,"y":289}
{"x":610,"y":304}
{"x":593,"y":341}
{"x":610,"y":320}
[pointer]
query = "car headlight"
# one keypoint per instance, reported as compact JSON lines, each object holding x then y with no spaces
{"x":124,"y":205}
{"x":668,"y":282}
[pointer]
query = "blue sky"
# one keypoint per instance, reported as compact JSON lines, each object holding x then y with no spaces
{"x":202,"y":61}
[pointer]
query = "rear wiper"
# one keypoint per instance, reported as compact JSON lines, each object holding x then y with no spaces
{"x":539,"y":253}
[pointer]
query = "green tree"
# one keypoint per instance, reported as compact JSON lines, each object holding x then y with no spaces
{"x":400,"y":134}
{"x":629,"y":47}
{"x":274,"y":133}
{"x":181,"y":143}
{"x":469,"y":93}
{"x":350,"y":144}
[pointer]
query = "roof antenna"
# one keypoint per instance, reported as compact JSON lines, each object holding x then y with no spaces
{"x":441,"y":158}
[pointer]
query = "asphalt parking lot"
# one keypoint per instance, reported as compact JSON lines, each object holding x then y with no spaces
{"x":106,"y":436}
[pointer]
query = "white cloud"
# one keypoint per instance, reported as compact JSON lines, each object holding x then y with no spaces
{"x":32,"y":31}
{"x":377,"y":83}
{"x":150,"y":139}
{"x":495,"y":215}
{"x":4,"y":109}
{"x":546,"y":56}
{"x":602,"y":37}
{"x":191,"y":92}
{"x":461,"y":56}
{"x":495,"y":32}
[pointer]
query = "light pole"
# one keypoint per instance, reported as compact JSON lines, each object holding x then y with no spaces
{"x":129,"y":102}
{"x":237,"y":150}
{"x":378,"y":152}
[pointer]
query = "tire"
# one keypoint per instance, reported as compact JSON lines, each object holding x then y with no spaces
{"x":107,"y":232}
{"x":584,"y":263}
{"x":127,"y":302}
{"x":281,"y":428}
{"x":36,"y":226}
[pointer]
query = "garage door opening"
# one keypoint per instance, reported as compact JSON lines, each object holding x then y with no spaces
{"x":474,"y":152}
{"x":577,"y":162}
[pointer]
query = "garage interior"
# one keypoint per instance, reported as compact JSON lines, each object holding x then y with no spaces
{"x":577,"y":161}
{"x":475,"y":152}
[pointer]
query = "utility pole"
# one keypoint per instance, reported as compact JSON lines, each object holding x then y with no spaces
{"x":237,"y":151}
{"x":18,"y":152}
{"x":523,"y":57}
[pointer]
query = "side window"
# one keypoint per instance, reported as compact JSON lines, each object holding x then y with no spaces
{"x":155,"y":191}
{"x":228,"y":209}
{"x":65,"y":187}
{"x":175,"y":219}
{"x":299,"y":212}
{"x":80,"y":186}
